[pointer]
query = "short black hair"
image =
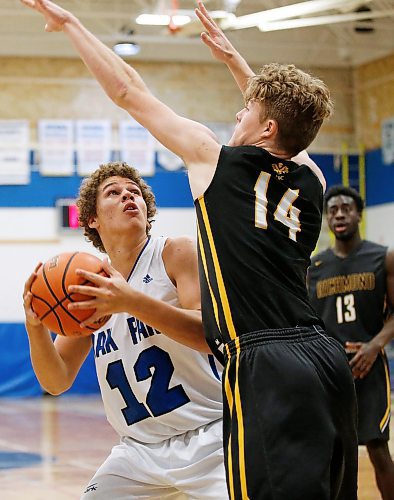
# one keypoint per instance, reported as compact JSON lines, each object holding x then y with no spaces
{"x":339,"y":190}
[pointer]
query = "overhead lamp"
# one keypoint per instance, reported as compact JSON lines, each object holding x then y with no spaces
{"x":320,"y":20}
{"x":288,"y":12}
{"x":162,"y":19}
{"x":125,"y":49}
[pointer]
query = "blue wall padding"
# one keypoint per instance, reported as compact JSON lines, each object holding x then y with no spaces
{"x":172,"y":188}
{"x":380,"y":179}
{"x":17,"y":378}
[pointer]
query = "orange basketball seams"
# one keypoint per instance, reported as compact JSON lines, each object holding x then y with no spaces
{"x":51,"y":296}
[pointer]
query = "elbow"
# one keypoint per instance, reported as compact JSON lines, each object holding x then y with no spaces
{"x":56,"y":390}
{"x":125,"y":95}
{"x":53,"y":392}
{"x":120,"y":95}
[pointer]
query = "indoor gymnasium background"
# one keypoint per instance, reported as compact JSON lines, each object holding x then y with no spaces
{"x":54,"y":100}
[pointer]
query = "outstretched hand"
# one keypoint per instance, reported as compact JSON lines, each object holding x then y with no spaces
{"x":109,"y":294}
{"x":56,"y":17}
{"x":214,"y":38}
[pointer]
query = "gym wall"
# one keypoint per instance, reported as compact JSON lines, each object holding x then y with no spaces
{"x":35,"y":89}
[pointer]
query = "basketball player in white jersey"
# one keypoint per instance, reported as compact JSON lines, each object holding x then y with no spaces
{"x":163,"y":398}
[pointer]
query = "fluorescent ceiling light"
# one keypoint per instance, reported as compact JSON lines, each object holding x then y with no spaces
{"x":289,"y":11}
{"x":317,"y":21}
{"x":162,"y":19}
{"x":125,"y":49}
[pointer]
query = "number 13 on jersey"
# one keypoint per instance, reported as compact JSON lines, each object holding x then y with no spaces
{"x":285,"y":212}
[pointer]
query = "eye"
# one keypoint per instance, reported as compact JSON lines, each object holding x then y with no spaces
{"x":112,"y":191}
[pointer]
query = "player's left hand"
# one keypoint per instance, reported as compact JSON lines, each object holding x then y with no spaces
{"x":213,"y":37}
{"x":364,"y":358}
{"x":109,"y":294}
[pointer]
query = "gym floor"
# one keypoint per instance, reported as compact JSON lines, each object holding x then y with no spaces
{"x":50,"y":448}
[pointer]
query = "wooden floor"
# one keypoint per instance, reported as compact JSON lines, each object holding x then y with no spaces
{"x":68,"y":438}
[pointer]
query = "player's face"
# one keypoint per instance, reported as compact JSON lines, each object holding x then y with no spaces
{"x":343,"y":217}
{"x":248,"y":128}
{"x":120,"y":206}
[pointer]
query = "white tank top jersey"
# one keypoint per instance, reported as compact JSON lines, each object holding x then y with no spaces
{"x":153,"y":388}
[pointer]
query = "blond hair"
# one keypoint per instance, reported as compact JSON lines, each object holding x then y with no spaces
{"x":297,"y":101}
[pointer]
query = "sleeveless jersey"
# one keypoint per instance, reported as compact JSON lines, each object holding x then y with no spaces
{"x":153,"y":388}
{"x":349,"y":293}
{"x":258,"y":223}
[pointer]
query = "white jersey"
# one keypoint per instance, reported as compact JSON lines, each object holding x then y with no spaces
{"x":153,"y":388}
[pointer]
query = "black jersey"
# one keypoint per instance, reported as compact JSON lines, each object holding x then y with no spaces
{"x":258,"y":223}
{"x":349,"y":293}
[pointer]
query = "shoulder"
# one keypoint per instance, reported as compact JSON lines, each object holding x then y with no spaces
{"x":321,"y":256}
{"x":304,"y":159}
{"x":376,"y":248}
{"x":390,"y":261}
{"x":179,"y":253}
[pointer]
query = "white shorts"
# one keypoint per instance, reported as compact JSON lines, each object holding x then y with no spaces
{"x":189,"y":466}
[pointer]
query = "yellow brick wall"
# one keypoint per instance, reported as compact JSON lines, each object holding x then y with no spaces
{"x":374,"y":97}
{"x":63,"y":88}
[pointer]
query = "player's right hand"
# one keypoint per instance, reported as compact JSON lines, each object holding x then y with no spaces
{"x":55,"y":16}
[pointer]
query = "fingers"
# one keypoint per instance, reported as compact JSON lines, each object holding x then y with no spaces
{"x":107,"y":267}
{"x":94,"y":278}
{"x":82,"y":305}
{"x":28,"y":283}
{"x":31,"y":278}
{"x":208,"y":41}
{"x":28,"y":3}
{"x":92,"y":291}
{"x":88,"y":321}
{"x":361,"y":370}
{"x":353,"y":347}
{"x":27,"y":298}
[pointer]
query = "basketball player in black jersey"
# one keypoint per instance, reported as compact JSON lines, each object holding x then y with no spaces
{"x":352,"y":287}
{"x":289,"y":417}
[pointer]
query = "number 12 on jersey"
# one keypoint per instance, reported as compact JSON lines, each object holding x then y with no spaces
{"x":285,"y":212}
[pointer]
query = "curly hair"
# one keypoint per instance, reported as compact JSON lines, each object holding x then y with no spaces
{"x":339,"y":190}
{"x":87,"y":198}
{"x":299,"y":102}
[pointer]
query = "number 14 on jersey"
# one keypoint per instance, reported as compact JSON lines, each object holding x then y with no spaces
{"x":285,"y":212}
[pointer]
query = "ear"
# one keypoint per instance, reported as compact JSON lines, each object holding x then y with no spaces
{"x":93,"y":224}
{"x":269,"y":128}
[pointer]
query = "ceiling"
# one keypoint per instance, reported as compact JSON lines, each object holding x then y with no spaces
{"x":336,"y":45}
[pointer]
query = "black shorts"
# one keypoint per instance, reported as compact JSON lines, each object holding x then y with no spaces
{"x":373,"y":399}
{"x":289,"y":417}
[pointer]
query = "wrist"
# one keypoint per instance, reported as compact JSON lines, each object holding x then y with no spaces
{"x":378,"y":344}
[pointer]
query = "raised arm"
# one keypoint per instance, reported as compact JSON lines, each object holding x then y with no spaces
{"x":222,"y":49}
{"x":192,"y":141}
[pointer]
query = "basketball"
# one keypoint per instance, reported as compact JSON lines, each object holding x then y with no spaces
{"x":51,"y":297}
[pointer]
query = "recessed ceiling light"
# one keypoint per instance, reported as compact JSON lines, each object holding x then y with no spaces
{"x":126,"y":49}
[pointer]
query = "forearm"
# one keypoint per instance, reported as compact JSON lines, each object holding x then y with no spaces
{"x":240,"y":70}
{"x":48,"y":365}
{"x":181,"y":325}
{"x":386,"y":334}
{"x":117,"y":78}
